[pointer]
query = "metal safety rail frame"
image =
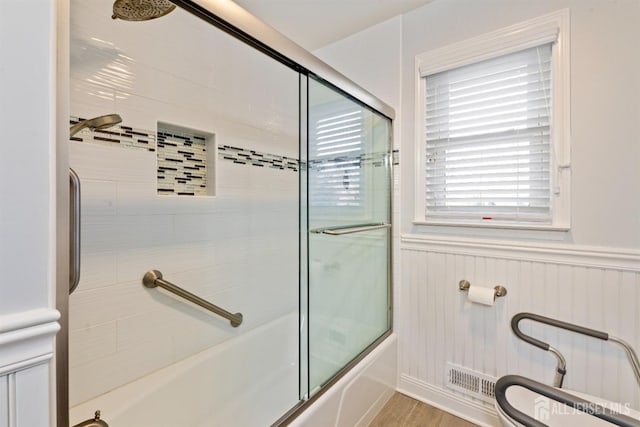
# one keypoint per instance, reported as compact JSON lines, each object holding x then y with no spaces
{"x":561,"y":368}
{"x":557,"y":395}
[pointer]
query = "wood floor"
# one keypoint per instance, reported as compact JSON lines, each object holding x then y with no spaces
{"x":403,"y":411}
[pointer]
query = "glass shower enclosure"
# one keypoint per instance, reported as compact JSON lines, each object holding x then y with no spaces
{"x":348,"y":224}
{"x":248,"y":179}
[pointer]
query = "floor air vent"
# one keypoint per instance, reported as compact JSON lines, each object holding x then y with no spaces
{"x":471,"y":383}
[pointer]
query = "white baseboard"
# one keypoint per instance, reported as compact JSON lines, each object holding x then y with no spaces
{"x":471,"y":411}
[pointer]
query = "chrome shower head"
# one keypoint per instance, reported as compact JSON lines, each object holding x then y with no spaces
{"x":141,"y":10}
{"x":101,"y":122}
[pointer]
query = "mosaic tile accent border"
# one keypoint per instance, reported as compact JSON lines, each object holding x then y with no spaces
{"x":182,"y":163}
{"x":182,"y":155}
{"x":375,"y":159}
{"x":124,"y":136}
{"x":256,"y":158}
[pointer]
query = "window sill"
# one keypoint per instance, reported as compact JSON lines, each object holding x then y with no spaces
{"x":494,"y":230}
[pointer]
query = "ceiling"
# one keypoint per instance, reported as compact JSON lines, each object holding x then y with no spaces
{"x":316,"y":23}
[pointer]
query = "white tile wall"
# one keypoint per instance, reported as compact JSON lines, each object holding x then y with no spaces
{"x":238,"y":249}
{"x":124,"y":61}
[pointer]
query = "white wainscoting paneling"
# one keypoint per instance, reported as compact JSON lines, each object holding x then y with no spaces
{"x":4,"y":401}
{"x":26,"y":347}
{"x":593,"y":287}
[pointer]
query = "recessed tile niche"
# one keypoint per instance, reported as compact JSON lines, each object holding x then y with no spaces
{"x":186,"y":161}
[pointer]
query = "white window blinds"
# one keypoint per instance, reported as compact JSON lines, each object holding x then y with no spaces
{"x":336,"y":148}
{"x":488,"y":139}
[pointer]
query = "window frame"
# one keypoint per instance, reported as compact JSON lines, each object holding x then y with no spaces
{"x":553,"y":27}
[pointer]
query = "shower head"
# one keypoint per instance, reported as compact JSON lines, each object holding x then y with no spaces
{"x":141,"y":10}
{"x":101,"y":122}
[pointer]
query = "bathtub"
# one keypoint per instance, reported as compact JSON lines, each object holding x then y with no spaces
{"x":227,"y":386}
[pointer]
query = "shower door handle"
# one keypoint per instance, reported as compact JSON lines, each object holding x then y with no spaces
{"x":74,"y":230}
{"x":349,"y":229}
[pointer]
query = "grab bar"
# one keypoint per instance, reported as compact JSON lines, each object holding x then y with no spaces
{"x":349,"y":229}
{"x":561,"y":368}
{"x":74,"y":230}
{"x":557,"y":395}
{"x":153,"y":278}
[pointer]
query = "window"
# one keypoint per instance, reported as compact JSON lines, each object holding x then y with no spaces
{"x":488,"y":137}
{"x":335,"y":153}
{"x":493,"y":135}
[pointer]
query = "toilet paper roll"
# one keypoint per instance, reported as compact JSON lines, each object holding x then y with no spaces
{"x":480,"y":295}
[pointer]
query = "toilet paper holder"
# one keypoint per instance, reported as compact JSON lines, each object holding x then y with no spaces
{"x":500,"y":291}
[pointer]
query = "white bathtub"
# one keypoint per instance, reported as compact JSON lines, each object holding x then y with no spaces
{"x":355,"y":399}
{"x":250,"y":381}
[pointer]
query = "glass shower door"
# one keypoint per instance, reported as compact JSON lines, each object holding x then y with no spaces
{"x":348,"y":217}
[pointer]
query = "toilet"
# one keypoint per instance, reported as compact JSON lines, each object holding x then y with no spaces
{"x":515,"y":393}
{"x":552,"y":413}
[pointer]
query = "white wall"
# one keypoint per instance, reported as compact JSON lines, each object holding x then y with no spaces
{"x":373,"y":57}
{"x":588,"y":276}
{"x":26,"y":158}
{"x":27,"y":190}
{"x":238,"y":250}
{"x":604,"y":119}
